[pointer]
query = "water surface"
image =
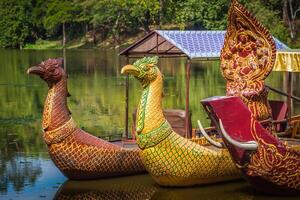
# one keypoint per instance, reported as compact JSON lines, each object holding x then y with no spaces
{"x":98,"y":105}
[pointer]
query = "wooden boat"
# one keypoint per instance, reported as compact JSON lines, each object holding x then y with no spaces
{"x":75,"y":152}
{"x":247,"y":58}
{"x":171,"y":159}
{"x":270,"y":164}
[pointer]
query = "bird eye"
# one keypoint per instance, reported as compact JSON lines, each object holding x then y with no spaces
{"x":146,"y":68}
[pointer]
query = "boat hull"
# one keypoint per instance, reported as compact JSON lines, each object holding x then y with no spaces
{"x":274,"y":167}
{"x":177,"y":161}
{"x":82,"y":156}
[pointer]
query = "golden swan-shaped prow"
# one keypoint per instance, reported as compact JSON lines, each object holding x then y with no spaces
{"x":171,"y":159}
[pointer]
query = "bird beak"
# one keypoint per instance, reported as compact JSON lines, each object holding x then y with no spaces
{"x":129,"y":69}
{"x":35,"y":70}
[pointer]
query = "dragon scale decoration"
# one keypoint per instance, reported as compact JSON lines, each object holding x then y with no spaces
{"x":75,"y":152}
{"x":171,"y":159}
{"x":247,"y":58}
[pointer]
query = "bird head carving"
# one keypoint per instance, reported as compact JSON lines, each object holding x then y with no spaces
{"x":49,"y":70}
{"x":144,"y":69}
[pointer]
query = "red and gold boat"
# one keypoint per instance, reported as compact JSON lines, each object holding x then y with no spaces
{"x":270,"y":164}
{"x":247,"y":58}
{"x":78,"y":154}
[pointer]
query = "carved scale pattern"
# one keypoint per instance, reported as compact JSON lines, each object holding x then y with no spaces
{"x":171,"y":159}
{"x":75,"y":152}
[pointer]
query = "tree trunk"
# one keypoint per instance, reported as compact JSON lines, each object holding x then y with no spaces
{"x":86,"y":28}
{"x":146,"y":22}
{"x":285,"y":14}
{"x":161,"y":2}
{"x":94,"y":36}
{"x":64,"y":34}
{"x":292,"y":19}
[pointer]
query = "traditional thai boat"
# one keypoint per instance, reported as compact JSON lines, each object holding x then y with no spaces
{"x":270,"y":164}
{"x":171,"y":159}
{"x":78,"y":154}
{"x":247,"y":58}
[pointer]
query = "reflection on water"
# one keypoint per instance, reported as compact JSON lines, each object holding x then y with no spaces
{"x":142,"y":187}
{"x":28,"y":176}
{"x":97,"y":104}
{"x":126,"y":188}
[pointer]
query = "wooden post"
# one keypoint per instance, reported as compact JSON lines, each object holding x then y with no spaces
{"x":187,"y":96}
{"x":289,"y":91}
{"x":126,"y":101}
{"x":156,"y":44}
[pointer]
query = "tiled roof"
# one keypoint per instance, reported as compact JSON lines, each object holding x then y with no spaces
{"x":194,"y":44}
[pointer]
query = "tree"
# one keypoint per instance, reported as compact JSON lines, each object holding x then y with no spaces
{"x":85,"y":15}
{"x":15,"y":23}
{"x":269,"y":14}
{"x":113,"y":17}
{"x":145,"y":12}
{"x":202,"y":14}
{"x":290,"y":10}
{"x":60,"y":13}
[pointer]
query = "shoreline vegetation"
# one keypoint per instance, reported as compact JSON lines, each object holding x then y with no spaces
{"x":57,"y":24}
{"x":84,"y":42}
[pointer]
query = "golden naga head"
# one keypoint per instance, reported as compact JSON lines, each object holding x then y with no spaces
{"x":49,"y":70}
{"x":144,"y":69}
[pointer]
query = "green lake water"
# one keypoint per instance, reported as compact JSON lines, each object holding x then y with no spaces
{"x":97,"y":103}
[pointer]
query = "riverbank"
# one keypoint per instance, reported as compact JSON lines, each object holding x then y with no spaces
{"x":85,"y":42}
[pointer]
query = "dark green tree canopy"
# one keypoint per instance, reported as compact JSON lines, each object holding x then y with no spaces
{"x":25,"y":21}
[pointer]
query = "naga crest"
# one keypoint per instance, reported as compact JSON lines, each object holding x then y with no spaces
{"x":49,"y":70}
{"x":144,"y":69}
{"x":247,"y":58}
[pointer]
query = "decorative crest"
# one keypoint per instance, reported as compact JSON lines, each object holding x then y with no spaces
{"x":248,"y":54}
{"x":146,"y":61}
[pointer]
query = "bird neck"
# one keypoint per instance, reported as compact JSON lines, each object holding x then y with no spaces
{"x":56,"y":112}
{"x":149,"y":114}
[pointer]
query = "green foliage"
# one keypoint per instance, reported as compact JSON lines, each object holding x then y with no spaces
{"x":26,"y":21}
{"x":112,"y":16}
{"x":15,"y":22}
{"x":145,"y":12}
{"x":204,"y":14}
{"x":271,"y":19}
{"x":60,"y":11}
